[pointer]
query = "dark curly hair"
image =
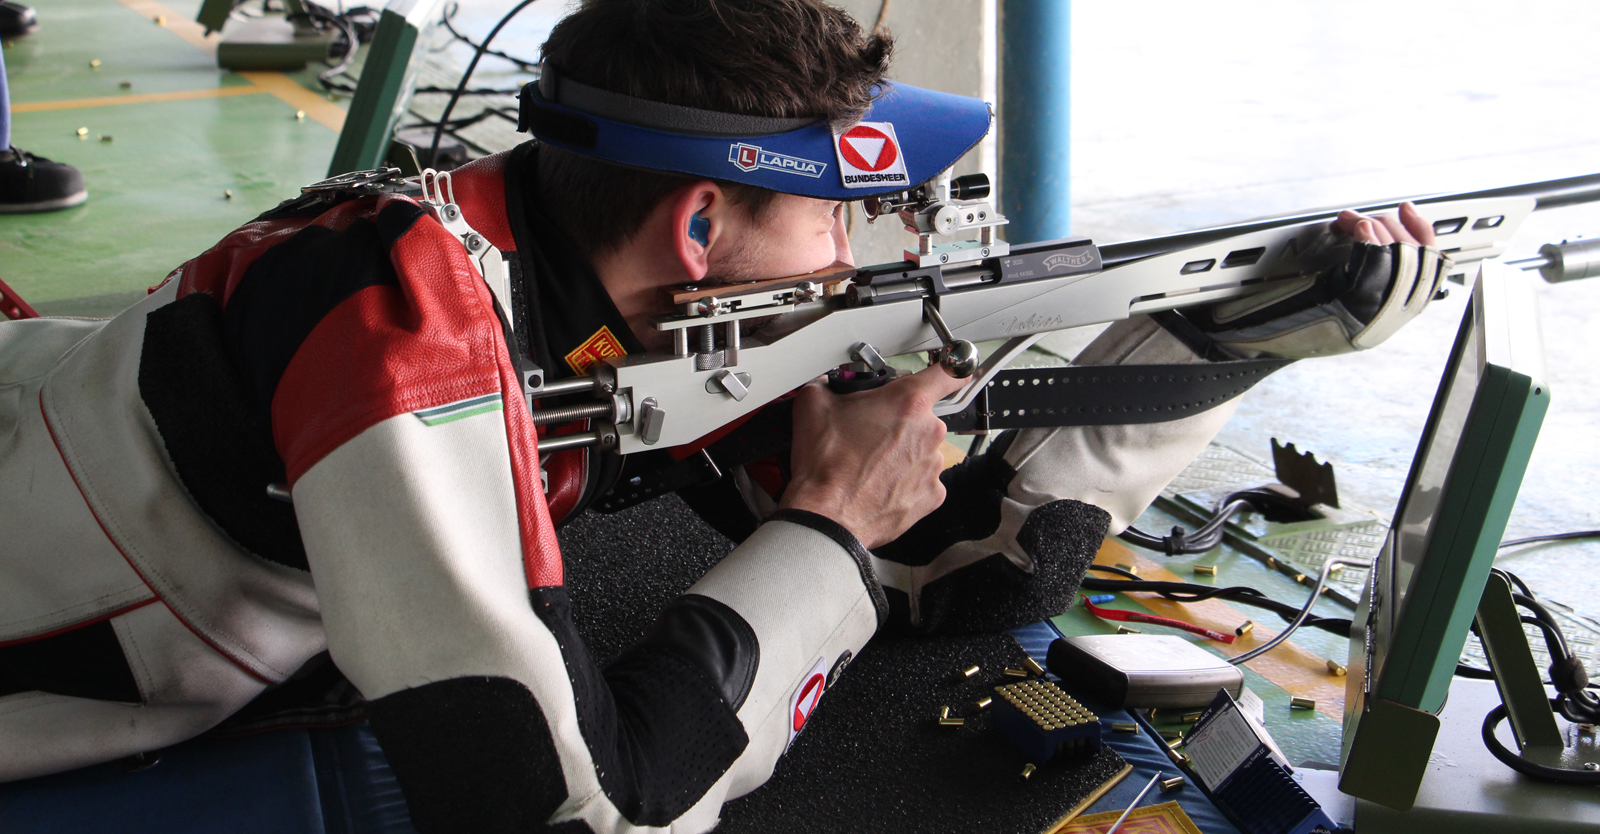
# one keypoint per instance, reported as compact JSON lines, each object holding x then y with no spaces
{"x":778,"y":58}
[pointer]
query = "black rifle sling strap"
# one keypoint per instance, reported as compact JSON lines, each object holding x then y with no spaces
{"x":1100,"y":395}
{"x":1091,"y":395}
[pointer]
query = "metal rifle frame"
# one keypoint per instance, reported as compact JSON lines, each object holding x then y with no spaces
{"x":849,"y":317}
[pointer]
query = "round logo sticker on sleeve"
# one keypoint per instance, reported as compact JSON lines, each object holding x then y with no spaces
{"x":870,"y":156}
{"x":806,"y":697}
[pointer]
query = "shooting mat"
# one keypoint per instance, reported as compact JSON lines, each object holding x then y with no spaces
{"x":872,"y":757}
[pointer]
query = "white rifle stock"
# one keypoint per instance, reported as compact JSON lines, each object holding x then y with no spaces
{"x":714,"y":376}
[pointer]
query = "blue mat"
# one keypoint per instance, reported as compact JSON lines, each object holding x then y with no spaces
{"x":1142,"y":751}
{"x":333,"y":781}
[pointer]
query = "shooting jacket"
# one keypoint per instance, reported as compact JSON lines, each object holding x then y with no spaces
{"x":150,"y":586}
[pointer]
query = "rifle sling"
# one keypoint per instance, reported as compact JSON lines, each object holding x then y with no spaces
{"x":1093,"y":395}
{"x":1100,"y":395}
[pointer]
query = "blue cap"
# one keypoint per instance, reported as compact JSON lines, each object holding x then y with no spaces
{"x":907,"y":137}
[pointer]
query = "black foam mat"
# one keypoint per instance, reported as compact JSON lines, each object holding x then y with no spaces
{"x":872,"y":756}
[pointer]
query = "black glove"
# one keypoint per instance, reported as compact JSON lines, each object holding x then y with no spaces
{"x":1350,"y":296}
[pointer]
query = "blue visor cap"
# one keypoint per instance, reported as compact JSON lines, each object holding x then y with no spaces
{"x":907,"y":137}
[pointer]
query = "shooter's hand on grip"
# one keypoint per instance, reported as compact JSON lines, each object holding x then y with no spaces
{"x":1360,"y":282}
{"x":870,"y":461}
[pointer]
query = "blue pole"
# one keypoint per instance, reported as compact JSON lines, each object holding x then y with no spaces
{"x":5,"y":108}
{"x":1035,"y":118}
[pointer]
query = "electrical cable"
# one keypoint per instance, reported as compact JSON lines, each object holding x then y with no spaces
{"x":480,"y":91}
{"x":1525,"y":767}
{"x":448,"y":21}
{"x":433,"y":147}
{"x":1316,"y":593}
{"x":1264,"y":500}
{"x":1554,"y":537}
{"x":1188,"y":592}
{"x":1573,"y":699}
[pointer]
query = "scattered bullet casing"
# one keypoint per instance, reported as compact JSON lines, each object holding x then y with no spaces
{"x":969,"y":672}
{"x":227,"y":194}
{"x":1126,"y":630}
{"x":94,"y":64}
{"x":1133,"y":569}
{"x":1012,"y":672}
{"x":952,"y":722}
{"x":161,"y":20}
{"x":126,"y":85}
{"x":299,"y":115}
{"x":1337,"y":568}
{"x":1172,"y":735}
{"x":1125,"y":727}
{"x":105,"y":137}
{"x":1190,"y":717}
{"x":83,"y":132}
{"x":944,"y":712}
{"x":1205,"y":570}
{"x":1174,"y":784}
{"x":1337,"y":668}
{"x":1272,"y":563}
{"x":1246,"y":628}
{"x":983,"y":704}
{"x":1033,"y":666}
{"x":1299,"y":577}
{"x":1028,"y":769}
{"x":1302,"y":703}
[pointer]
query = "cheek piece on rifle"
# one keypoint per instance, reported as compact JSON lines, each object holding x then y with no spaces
{"x":1350,"y":296}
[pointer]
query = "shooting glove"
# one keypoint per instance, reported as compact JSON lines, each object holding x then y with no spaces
{"x":1350,"y":296}
{"x":1021,"y":523}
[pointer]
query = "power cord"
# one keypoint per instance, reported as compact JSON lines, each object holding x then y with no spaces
{"x":449,"y":26}
{"x":478,"y":53}
{"x":1188,"y":592}
{"x":1573,"y":699}
{"x":1275,"y":501}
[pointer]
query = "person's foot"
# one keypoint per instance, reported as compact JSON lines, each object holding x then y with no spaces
{"x":16,"y":19}
{"x":31,"y":183}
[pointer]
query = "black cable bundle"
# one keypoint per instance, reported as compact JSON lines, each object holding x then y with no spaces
{"x":1274,"y":504}
{"x":1189,"y":592}
{"x":1573,"y":699}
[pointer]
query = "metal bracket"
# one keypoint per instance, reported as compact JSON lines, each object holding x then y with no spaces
{"x":439,"y":196}
{"x":651,"y":416}
{"x":736,"y":385}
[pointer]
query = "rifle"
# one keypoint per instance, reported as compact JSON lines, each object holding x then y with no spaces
{"x":943,"y":298}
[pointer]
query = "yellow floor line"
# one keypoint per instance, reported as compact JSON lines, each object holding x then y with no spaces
{"x":317,"y":107}
{"x":1293,"y":669}
{"x":141,"y":98}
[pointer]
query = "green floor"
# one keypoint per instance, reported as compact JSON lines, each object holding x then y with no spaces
{"x":158,"y":187}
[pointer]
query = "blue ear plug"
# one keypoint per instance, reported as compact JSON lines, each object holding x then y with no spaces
{"x":700,"y":230}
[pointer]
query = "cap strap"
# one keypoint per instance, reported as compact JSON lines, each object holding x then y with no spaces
{"x":658,"y":115}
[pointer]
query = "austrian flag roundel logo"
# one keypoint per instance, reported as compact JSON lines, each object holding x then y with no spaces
{"x":870,"y":156}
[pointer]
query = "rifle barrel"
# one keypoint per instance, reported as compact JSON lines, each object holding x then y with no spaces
{"x":1549,"y":194}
